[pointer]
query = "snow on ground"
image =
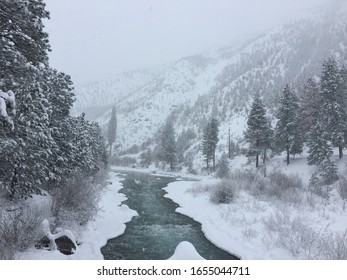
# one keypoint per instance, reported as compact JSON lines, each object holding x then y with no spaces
{"x":109,"y":223}
{"x":186,"y":251}
{"x":266,"y":228}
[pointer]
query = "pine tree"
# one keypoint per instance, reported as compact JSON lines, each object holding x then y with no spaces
{"x":223,"y":167}
{"x":44,"y":144}
{"x":112,"y":129}
{"x":333,"y":103}
{"x":210,"y":140}
{"x":310,"y":106}
{"x":214,"y":130}
{"x":328,"y":172}
{"x":287,"y":132}
{"x":320,"y":149}
{"x":168,"y":144}
{"x":259,"y":132}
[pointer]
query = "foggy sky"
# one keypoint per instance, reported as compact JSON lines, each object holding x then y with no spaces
{"x":95,"y":39}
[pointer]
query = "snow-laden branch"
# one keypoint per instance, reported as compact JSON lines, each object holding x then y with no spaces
{"x":52,"y":237}
{"x":7,"y":102}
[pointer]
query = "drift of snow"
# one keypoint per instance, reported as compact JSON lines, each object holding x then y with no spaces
{"x":186,"y":251}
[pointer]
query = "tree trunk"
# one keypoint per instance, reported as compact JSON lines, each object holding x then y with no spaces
{"x":214,"y":161}
{"x":257,"y":161}
{"x":264,"y":159}
{"x":287,"y":155}
{"x":340,"y":152}
{"x":207,"y":163}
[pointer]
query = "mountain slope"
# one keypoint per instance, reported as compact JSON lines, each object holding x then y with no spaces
{"x":223,"y":82}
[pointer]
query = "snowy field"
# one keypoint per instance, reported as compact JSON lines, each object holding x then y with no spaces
{"x":302,"y":225}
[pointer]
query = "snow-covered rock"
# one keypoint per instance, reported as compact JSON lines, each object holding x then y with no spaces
{"x":186,"y":251}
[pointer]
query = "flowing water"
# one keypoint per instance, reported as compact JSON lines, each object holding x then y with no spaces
{"x":156,"y":232}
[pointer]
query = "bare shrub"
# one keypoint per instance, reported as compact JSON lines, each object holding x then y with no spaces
{"x":294,"y":235}
{"x":20,"y":229}
{"x":198,"y":189}
{"x":320,"y":190}
{"x":336,"y":247}
{"x":76,"y":200}
{"x":284,"y":187}
{"x":285,"y":182}
{"x":223,"y":192}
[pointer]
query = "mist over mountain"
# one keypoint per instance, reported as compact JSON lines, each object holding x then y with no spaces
{"x":223,"y":82}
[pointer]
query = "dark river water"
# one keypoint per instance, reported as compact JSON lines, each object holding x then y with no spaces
{"x":156,"y":232}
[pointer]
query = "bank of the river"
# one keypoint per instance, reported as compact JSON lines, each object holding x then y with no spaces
{"x":255,"y":228}
{"x":109,"y":223}
{"x":158,"y":229}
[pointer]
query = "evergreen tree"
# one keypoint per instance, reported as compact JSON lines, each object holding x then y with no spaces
{"x":209,"y":141}
{"x":112,"y":129}
{"x":168,"y":144}
{"x":259,"y":132}
{"x":310,"y":106}
{"x":223,"y":167}
{"x":287,"y":132}
{"x":320,"y":149}
{"x":328,"y":172}
{"x":40,"y":144}
{"x":214,"y":130}
{"x":333,"y":103}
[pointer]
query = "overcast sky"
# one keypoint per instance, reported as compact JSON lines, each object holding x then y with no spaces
{"x":95,"y":39}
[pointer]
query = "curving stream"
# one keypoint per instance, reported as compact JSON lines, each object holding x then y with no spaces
{"x":156,"y":232}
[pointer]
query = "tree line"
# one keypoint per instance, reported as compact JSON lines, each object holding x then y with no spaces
{"x":317,"y":118}
{"x":41,"y":144}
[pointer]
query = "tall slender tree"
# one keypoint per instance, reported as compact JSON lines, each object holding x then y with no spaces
{"x":112,"y":129}
{"x":259,"y":132}
{"x":210,"y":140}
{"x":310,"y":107}
{"x":333,"y":103}
{"x":168,"y":144}
{"x":287,"y":132}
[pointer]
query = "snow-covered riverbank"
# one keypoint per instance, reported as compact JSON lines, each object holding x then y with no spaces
{"x":254,"y":228}
{"x":109,"y":223}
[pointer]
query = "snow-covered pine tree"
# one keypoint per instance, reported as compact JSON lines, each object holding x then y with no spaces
{"x":210,"y":140}
{"x":320,"y":148}
{"x":328,"y":172}
{"x":214,"y":130}
{"x":223,"y":167}
{"x":23,"y":42}
{"x":112,"y":129}
{"x":287,"y":133}
{"x":205,"y":144}
{"x":333,"y":103}
{"x":168,"y":144}
{"x":24,"y":45}
{"x":45,"y":144}
{"x":259,"y":132}
{"x":310,"y":106}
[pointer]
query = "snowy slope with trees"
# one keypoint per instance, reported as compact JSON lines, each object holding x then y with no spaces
{"x":222,"y":83}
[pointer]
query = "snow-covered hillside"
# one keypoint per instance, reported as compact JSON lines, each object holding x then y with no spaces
{"x":221,"y":82}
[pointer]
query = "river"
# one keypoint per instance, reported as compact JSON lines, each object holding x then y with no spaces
{"x":156,"y":232}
